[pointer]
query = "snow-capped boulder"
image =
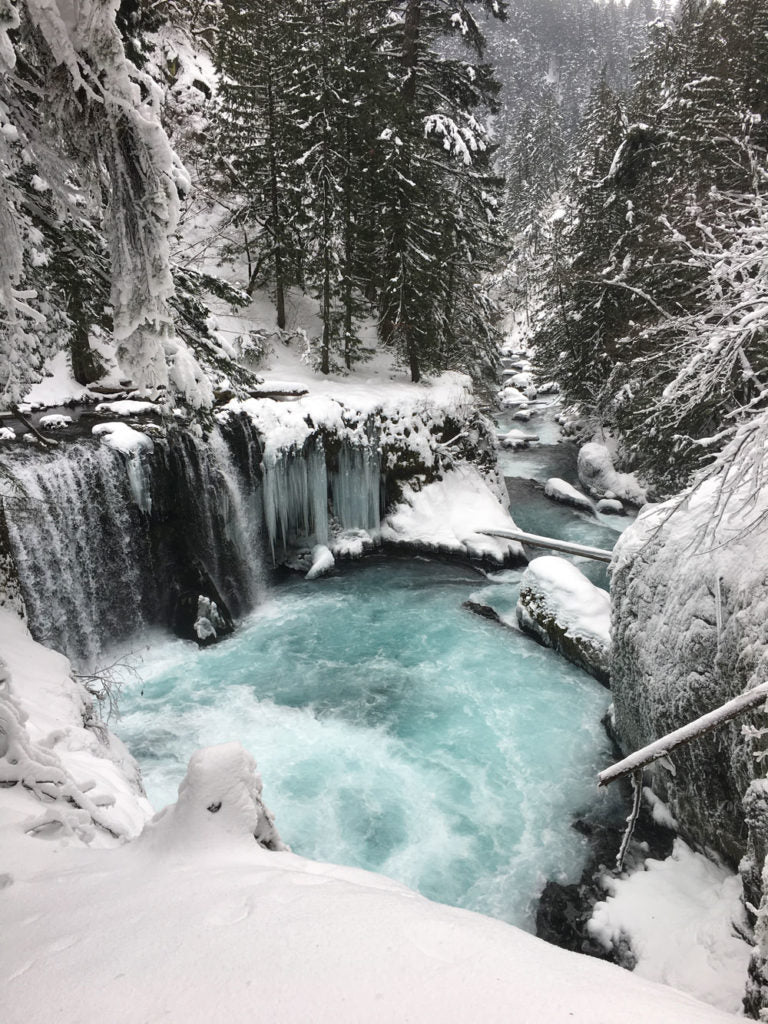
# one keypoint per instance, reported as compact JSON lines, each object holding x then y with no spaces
{"x":516,"y":439}
{"x":598,"y":475}
{"x":560,"y":490}
{"x":55,"y":421}
{"x":510,"y":396}
{"x":560,"y":608}
{"x":209,"y":622}
{"x":610,"y":507}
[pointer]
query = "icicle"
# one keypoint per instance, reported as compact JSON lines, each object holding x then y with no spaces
{"x":356,"y":488}
{"x":296,"y":498}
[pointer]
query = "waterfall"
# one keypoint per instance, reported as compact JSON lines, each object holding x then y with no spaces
{"x":77,"y":542}
{"x":107,"y":543}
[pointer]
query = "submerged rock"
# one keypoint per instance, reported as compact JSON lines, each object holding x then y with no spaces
{"x":560,"y":608}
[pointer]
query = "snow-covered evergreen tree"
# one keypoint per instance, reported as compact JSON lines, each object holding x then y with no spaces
{"x":86,"y":120}
{"x":433,"y":174}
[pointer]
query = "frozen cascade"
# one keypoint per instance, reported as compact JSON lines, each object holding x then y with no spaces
{"x":356,"y":488}
{"x":296,"y":496}
{"x":298,"y":486}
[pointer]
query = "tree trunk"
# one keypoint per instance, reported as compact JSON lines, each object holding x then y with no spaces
{"x":275,"y":204}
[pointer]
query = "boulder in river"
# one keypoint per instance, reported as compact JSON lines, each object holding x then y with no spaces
{"x":560,"y":608}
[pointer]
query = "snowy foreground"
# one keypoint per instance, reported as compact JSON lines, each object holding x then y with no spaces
{"x":195,"y":919}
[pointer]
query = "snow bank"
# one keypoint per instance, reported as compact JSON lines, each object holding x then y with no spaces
{"x":560,"y":490}
{"x":71,"y":781}
{"x":445,"y":515}
{"x":680,"y":917}
{"x":597,"y":474}
{"x":562,"y":609}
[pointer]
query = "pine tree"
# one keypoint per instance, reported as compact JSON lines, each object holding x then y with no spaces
{"x":432,"y":152}
{"x":253,"y":137}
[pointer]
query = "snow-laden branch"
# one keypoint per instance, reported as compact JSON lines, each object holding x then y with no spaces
{"x":693,"y":730}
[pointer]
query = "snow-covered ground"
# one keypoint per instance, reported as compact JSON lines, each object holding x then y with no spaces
{"x":684,"y":903}
{"x":203,"y":917}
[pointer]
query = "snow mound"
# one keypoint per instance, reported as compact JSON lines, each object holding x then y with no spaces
{"x":563,"y":492}
{"x":445,"y":515}
{"x":562,"y":609}
{"x":598,"y":475}
{"x":7,"y":434}
{"x":680,"y":917}
{"x":122,"y":438}
{"x":219,"y":800}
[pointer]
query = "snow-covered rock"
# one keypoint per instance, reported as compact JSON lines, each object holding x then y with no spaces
{"x":127,"y":407}
{"x":517,"y":439}
{"x":560,"y":490}
{"x":689,"y":629}
{"x":562,"y":609}
{"x":445,"y":515}
{"x":7,"y":434}
{"x":351,"y":543}
{"x":322,"y":562}
{"x":610,"y":507}
{"x":598,"y":475}
{"x":122,"y":438}
{"x":55,"y":421}
{"x":209,"y":623}
{"x":511,"y":396}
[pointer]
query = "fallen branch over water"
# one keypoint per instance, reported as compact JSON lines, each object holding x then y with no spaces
{"x":699,"y":727}
{"x":601,"y":554}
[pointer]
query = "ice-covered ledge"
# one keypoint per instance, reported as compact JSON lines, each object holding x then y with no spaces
{"x":202,"y":917}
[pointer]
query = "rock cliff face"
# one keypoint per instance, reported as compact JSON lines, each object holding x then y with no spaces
{"x":690,"y":631}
